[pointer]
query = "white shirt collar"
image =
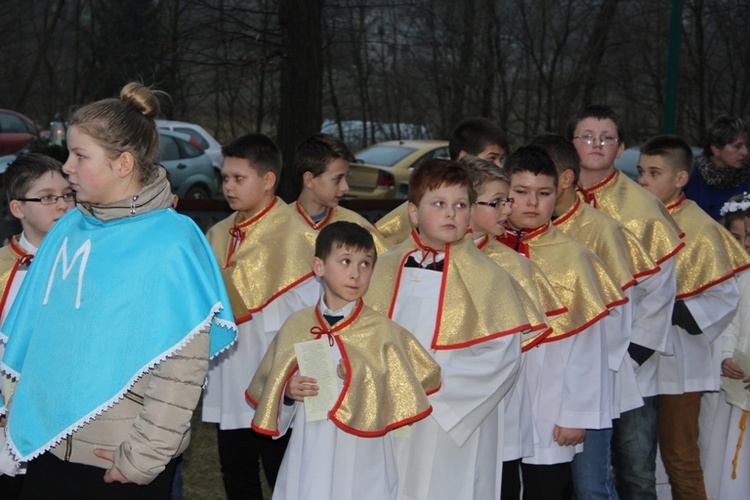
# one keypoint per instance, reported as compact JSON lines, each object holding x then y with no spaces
{"x":26,"y":245}
{"x":344,"y":311}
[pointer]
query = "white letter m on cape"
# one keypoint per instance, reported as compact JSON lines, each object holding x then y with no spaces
{"x":84,"y":250}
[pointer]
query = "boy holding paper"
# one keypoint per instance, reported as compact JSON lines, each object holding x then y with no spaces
{"x":380,"y":382}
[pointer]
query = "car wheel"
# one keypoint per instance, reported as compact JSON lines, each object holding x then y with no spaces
{"x":197,"y":193}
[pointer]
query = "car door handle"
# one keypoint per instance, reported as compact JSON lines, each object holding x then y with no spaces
{"x":181,"y":165}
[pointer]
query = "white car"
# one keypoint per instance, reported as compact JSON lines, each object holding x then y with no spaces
{"x":206,"y":141}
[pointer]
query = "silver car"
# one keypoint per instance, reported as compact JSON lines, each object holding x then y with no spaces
{"x":191,"y":170}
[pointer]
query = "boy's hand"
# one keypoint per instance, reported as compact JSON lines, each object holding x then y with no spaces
{"x":565,"y":436}
{"x":298,"y":388}
{"x":729,"y":369}
{"x":113,"y":475}
{"x":341,"y":370}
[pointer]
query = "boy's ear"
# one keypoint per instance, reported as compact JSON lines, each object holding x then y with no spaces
{"x":565,"y":179}
{"x":412,"y":208}
{"x":269,"y":181}
{"x":16,"y":209}
{"x":682,"y":179}
{"x":307,"y":179}
{"x":318,"y":267}
{"x":620,"y":149}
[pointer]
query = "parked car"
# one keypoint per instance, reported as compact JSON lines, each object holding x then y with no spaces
{"x":206,"y":141}
{"x":16,"y":130}
{"x":628,"y":161}
{"x":382,"y":170}
{"x":192,"y":171}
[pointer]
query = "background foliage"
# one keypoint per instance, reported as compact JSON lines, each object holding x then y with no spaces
{"x":282,"y":66}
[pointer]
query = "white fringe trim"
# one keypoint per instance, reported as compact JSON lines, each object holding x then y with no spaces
{"x":218,"y":307}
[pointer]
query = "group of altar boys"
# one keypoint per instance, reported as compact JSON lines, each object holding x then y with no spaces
{"x":527,"y":325}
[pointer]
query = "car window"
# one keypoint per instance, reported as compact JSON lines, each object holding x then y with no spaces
{"x":385,"y":156}
{"x":194,"y":134}
{"x":169,"y":149}
{"x":11,"y":124}
{"x":188,"y":150}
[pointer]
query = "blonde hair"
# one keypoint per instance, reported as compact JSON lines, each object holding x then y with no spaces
{"x":125,"y":124}
{"x":482,"y":171}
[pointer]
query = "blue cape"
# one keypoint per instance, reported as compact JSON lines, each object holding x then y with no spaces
{"x":103,"y":303}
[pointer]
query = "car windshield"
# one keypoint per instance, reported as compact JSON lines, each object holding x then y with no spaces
{"x":384,"y":156}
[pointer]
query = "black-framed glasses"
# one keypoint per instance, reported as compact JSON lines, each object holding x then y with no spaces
{"x":51,"y":199}
{"x":495,"y":204}
{"x":604,"y":140}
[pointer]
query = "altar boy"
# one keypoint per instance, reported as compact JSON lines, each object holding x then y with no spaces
{"x":469,"y":314}
{"x":383,"y":375}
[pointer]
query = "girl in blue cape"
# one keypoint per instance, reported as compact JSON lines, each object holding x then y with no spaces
{"x":110,"y":335}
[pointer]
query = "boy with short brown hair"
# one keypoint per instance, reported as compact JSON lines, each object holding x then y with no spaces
{"x":264,"y":290}
{"x":322,"y":165}
{"x":445,"y":291}
{"x":377,"y":361}
{"x":707,"y":297}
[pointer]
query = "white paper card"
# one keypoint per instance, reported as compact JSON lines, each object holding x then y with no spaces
{"x":314,"y":359}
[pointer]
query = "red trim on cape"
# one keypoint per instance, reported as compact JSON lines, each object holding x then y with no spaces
{"x":580,"y":328}
{"x":673,"y":252}
{"x":21,"y":254}
{"x":269,"y":432}
{"x":713,"y":283}
{"x":249,"y":315}
{"x":388,"y":428}
{"x":539,"y":339}
{"x":568,"y":215}
{"x":319,"y":225}
{"x":245,"y":224}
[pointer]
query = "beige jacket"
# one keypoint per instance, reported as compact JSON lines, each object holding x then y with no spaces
{"x":151,"y":424}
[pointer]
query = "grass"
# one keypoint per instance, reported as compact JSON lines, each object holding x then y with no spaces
{"x":201,"y":469}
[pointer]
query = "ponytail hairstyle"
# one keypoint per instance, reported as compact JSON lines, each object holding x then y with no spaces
{"x":125,"y":124}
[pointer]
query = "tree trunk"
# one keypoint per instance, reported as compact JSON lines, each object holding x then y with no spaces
{"x":301,"y":94}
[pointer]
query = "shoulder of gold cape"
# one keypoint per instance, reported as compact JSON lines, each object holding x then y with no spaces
{"x":403,"y":381}
{"x":611,"y":241}
{"x":395,"y":226}
{"x":641,"y":212}
{"x":711,"y":254}
{"x":472,"y":286}
{"x":344,"y":214}
{"x":580,"y":279}
{"x":255,"y":269}
{"x":528,"y":275}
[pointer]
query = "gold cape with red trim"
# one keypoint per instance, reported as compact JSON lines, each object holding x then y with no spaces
{"x":640,"y":211}
{"x":395,"y":226}
{"x":479,"y":301}
{"x":388,"y":373}
{"x":610,"y":240}
{"x":344,"y":214}
{"x":531,"y":278}
{"x":275,"y":254}
{"x":711,"y":254}
{"x":10,"y":259}
{"x":579,"y":277}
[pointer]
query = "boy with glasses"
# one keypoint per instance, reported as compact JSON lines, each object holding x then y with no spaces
{"x":599,"y":138}
{"x":38,"y":195}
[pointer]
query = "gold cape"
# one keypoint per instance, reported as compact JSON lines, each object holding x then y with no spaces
{"x":579,"y":277}
{"x":12,"y":256}
{"x":478,"y":300}
{"x":610,"y":240}
{"x":344,"y":214}
{"x":531,"y":279}
{"x":275,"y":254}
{"x":395,"y":226}
{"x":711,"y":254}
{"x":388,"y":372}
{"x":640,"y":211}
